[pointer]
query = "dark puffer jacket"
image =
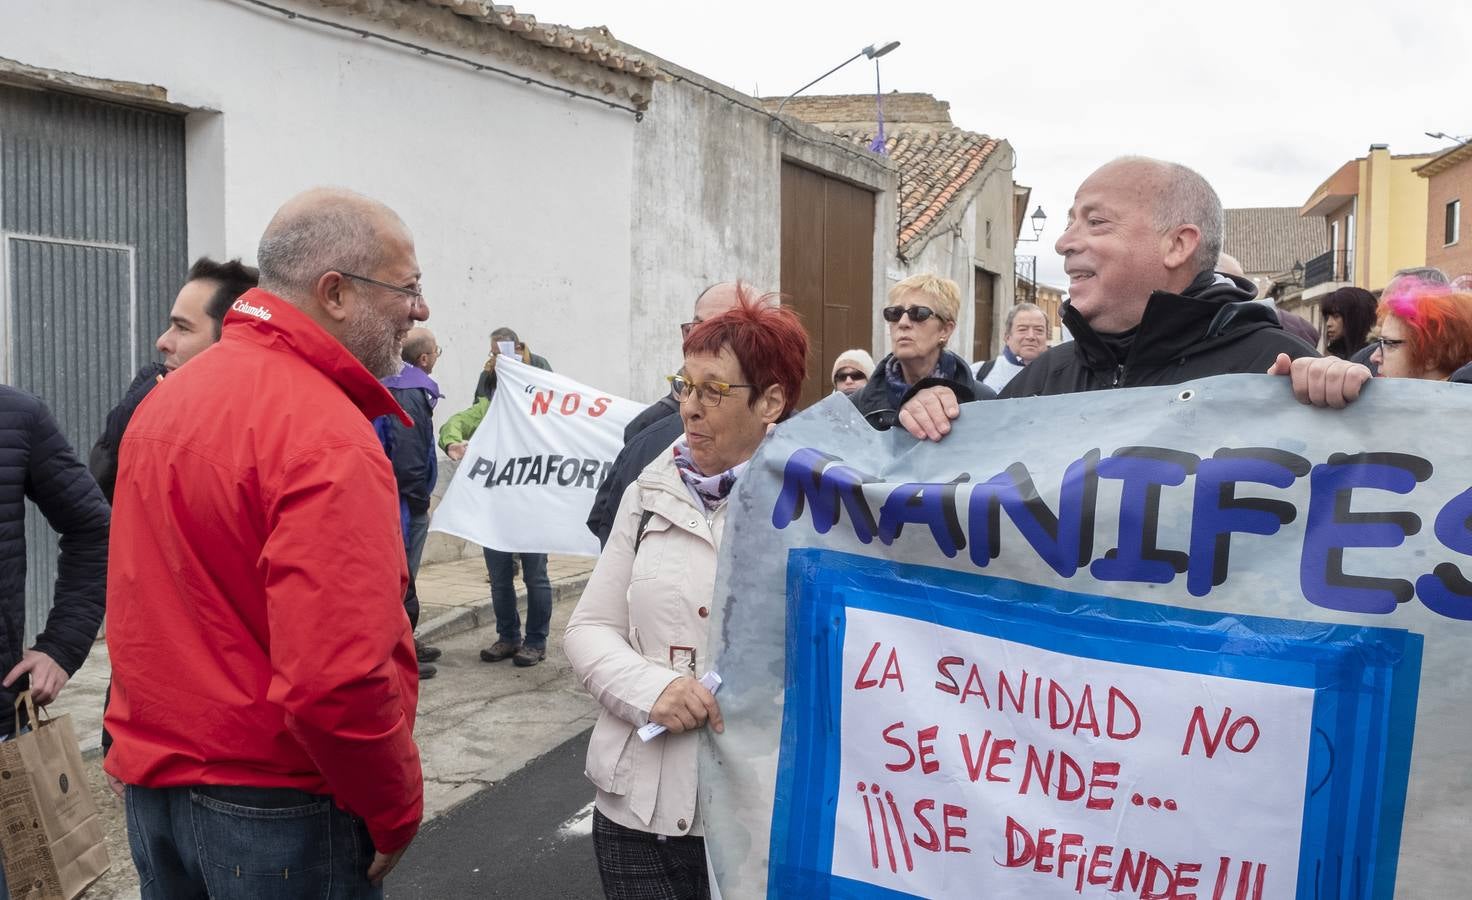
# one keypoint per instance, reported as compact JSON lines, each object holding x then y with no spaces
{"x":103,"y":461}
{"x":1214,"y":328}
{"x":37,"y":462}
{"x":880,"y":407}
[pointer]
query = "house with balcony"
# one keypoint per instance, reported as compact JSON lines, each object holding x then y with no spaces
{"x":1374,"y":213}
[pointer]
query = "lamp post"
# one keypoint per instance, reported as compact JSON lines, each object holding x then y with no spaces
{"x":1029,"y":264}
{"x":873,"y":51}
{"x":1039,"y":219}
{"x":1443,"y":136}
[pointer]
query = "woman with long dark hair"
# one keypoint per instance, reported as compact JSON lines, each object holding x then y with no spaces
{"x":1349,"y":314}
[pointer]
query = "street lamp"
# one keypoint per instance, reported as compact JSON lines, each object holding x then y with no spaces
{"x":1039,"y":219}
{"x":1443,"y":136}
{"x":873,"y":51}
{"x":1298,"y":273}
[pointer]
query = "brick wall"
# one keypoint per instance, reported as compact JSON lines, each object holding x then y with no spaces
{"x":1453,"y":184}
{"x":827,"y":111}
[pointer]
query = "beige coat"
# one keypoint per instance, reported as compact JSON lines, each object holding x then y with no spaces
{"x":642,"y":622}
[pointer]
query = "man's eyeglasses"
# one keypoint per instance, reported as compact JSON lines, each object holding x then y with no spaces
{"x":1387,"y":344}
{"x":849,"y":375}
{"x":414,"y":292}
{"x":917,"y":314}
{"x":708,"y":392}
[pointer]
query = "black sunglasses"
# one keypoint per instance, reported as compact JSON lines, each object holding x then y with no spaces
{"x":849,"y":375}
{"x":918,"y":314}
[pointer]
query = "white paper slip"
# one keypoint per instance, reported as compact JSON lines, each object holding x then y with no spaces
{"x":649,"y":732}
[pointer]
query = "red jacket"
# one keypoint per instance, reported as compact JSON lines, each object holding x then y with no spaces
{"x":255,"y":590}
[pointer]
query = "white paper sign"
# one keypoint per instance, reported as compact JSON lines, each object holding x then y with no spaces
{"x":533,"y":466}
{"x":974,"y":766}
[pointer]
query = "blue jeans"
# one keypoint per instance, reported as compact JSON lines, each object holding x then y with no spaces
{"x":240,"y":843}
{"x":414,"y":550}
{"x":503,"y":597}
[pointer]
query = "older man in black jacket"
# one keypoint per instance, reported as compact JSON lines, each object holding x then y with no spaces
{"x":1146,"y":306}
{"x":36,"y":462}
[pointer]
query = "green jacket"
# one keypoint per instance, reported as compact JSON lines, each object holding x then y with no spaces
{"x":463,"y":424}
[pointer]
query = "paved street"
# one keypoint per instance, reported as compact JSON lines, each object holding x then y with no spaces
{"x":528,"y":836}
{"x":478,"y":726}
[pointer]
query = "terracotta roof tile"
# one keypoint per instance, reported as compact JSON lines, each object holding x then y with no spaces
{"x":582,"y":43}
{"x":935,"y":166}
{"x":1270,"y":239}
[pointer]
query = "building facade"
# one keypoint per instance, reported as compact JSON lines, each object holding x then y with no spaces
{"x":1374,"y":212}
{"x":1448,"y":189}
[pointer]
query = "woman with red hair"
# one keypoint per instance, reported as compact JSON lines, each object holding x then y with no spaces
{"x":1425,"y":332}
{"x":638,"y":639}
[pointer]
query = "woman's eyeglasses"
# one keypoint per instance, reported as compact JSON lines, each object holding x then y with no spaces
{"x":708,"y":392}
{"x":1387,"y":344}
{"x":917,"y":314}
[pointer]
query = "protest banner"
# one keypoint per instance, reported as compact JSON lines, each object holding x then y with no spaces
{"x":531,"y":469}
{"x":1196,"y":641}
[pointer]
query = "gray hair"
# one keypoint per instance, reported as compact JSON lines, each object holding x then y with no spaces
{"x":1024,"y":306}
{"x":322,"y":230}
{"x":504,"y":334}
{"x":418,"y":342}
{"x":1428,"y":274}
{"x":1183,"y":197}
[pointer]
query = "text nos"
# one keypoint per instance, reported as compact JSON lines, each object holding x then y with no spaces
{"x":964,"y":514}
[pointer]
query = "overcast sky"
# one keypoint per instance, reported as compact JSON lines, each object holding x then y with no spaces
{"x":1266,"y":99}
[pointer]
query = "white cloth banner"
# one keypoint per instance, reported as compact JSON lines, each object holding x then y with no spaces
{"x":531,"y":470}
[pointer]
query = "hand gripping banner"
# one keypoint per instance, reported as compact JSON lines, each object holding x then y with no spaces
{"x":533,"y":466}
{"x":1167,"y":642}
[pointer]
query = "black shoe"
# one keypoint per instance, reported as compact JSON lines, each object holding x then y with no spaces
{"x":529,"y":656}
{"x":499,"y":650}
{"x":426,"y":671}
{"x":424,"y":652}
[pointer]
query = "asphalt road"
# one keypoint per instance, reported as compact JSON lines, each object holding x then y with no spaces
{"x":530,"y":836}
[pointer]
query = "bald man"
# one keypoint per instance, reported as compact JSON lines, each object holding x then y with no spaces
{"x":264,"y":677}
{"x":656,"y":428}
{"x":1146,"y":306}
{"x":416,"y":468}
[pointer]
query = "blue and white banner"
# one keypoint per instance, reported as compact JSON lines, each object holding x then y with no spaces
{"x":1168,"y":642}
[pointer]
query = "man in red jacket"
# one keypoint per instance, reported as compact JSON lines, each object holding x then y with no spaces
{"x":264,"y":678}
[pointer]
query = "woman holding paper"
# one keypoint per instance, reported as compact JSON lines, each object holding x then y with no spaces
{"x":639,"y":636}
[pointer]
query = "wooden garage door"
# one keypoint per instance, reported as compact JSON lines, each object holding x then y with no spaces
{"x":827,"y":267}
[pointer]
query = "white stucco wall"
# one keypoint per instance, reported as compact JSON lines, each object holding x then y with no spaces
{"x":707,"y":207}
{"x":948,"y":254}
{"x":518,"y":197}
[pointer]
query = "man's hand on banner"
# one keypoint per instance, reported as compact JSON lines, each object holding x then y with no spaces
{"x":47,"y":678}
{"x":927,"y":415}
{"x":456,"y":451}
{"x":685,"y":706}
{"x":1323,"y":381}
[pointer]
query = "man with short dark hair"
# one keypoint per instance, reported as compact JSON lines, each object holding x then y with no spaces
{"x":1145,"y":304}
{"x":264,"y":679}
{"x":411,"y":450}
{"x":194,"y":324}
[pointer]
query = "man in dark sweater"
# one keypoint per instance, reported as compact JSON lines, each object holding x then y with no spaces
{"x":194,"y":325}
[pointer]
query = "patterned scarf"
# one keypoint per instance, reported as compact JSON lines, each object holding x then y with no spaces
{"x":711,"y":489}
{"x":894,"y":376}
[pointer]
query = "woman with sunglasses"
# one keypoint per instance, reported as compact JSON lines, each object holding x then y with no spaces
{"x":639,"y":637}
{"x":1425,"y":332}
{"x":921,"y":315}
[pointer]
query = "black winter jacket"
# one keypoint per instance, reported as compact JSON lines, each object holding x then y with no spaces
{"x":1214,"y":328}
{"x":876,"y":403}
{"x":636,"y":455}
{"x":37,"y":462}
{"x":103,"y":460}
